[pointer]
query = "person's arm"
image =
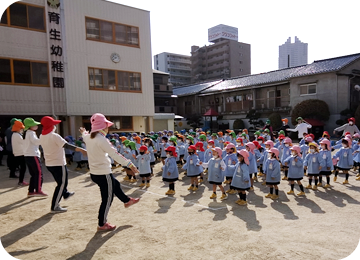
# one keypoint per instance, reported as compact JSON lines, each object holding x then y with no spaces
{"x":340,"y":128}
{"x":34,"y":139}
{"x":356,"y":129}
{"x":293,"y":130}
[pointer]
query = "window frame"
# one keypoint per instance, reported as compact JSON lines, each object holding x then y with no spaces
{"x":113,"y":33}
{"x":307,"y":89}
{"x":116,"y":81}
{"x":111,"y":118}
{"x":31,"y":75}
{"x":27,"y":17}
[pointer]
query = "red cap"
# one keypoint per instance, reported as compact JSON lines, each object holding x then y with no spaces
{"x":281,"y":137}
{"x":200,"y":144}
{"x":48,"y":124}
{"x":192,"y":147}
{"x":260,"y":138}
{"x":172,"y":149}
{"x":326,"y":133}
{"x":351,"y":119}
{"x":143,"y":148}
{"x":256,"y":144}
{"x":312,"y":136}
{"x":347,"y":133}
{"x":211,"y":142}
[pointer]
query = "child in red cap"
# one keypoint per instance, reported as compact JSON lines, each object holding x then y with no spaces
{"x":143,"y":162}
{"x":170,"y":170}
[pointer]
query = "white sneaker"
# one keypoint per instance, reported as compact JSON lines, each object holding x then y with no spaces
{"x":58,"y":209}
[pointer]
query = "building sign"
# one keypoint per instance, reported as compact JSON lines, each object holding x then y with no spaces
{"x":56,"y":47}
{"x":222,"y":31}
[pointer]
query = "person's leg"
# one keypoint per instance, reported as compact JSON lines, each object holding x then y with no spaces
{"x":22,"y":165}
{"x":346,"y":177}
{"x":59,"y":177}
{"x":34,"y":179}
{"x":11,"y":164}
{"x":105,"y":184}
{"x":116,"y":187}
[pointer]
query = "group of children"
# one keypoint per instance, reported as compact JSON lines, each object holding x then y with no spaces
{"x":233,"y":160}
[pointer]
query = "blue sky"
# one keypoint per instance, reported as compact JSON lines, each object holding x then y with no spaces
{"x":328,"y":28}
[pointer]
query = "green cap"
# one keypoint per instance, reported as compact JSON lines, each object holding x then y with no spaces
{"x":78,"y":143}
{"x":257,"y":133}
{"x":192,"y":133}
{"x":299,"y":118}
{"x":113,"y":141}
{"x":126,"y":142}
{"x":214,"y":134}
{"x":243,"y":134}
{"x":268,"y":122}
{"x":267,"y":130}
{"x":12,"y":121}
{"x":132,"y":145}
{"x":173,"y":139}
{"x":30,"y":122}
{"x":233,"y":134}
{"x":202,"y":137}
{"x":190,"y":137}
{"x":281,"y":132}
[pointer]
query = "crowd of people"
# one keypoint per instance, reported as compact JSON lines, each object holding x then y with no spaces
{"x":228,"y":160}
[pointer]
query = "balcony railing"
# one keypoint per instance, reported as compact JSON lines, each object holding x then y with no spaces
{"x":274,"y":104}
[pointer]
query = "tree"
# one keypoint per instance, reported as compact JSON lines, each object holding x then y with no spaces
{"x":275,"y":120}
{"x":195,"y":121}
{"x":311,"y":108}
{"x":357,"y":116}
{"x":253,"y":117}
{"x":238,"y":124}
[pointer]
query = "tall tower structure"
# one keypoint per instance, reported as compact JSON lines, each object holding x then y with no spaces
{"x":293,"y":54}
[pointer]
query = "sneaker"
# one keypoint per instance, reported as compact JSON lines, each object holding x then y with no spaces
{"x":238,"y":201}
{"x":195,"y":188}
{"x":228,"y":191}
{"x":335,"y":178}
{"x":358,"y":175}
{"x":142,"y":185}
{"x":69,"y":194}
{"x":251,"y":188}
{"x":314,"y":187}
{"x":255,"y":178}
{"x":132,"y":201}
{"x":77,"y":169}
{"x":319,"y":184}
{"x":133,"y":180}
{"x":40,"y":194}
{"x":106,"y":227}
{"x":346,"y":182}
{"x":126,"y":178}
{"x":31,"y":194}
{"x":242,"y":203}
{"x":23,"y":184}
{"x":308,"y":187}
{"x":327,"y":186}
{"x":358,"y":178}
{"x":264,"y":183}
{"x":148,"y":185}
{"x":213,"y":196}
{"x":232,"y":192}
{"x":275,"y":197}
{"x":284,"y":178}
{"x":201,"y":180}
{"x":224,"y":197}
{"x":268,"y":196}
{"x":171,"y":192}
{"x":58,"y":209}
{"x":191,"y":187}
{"x":301,"y":193}
{"x":168,"y":192}
{"x":290,"y":192}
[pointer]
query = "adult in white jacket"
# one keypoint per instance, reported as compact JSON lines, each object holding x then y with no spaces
{"x":99,"y":149}
{"x":302,"y":127}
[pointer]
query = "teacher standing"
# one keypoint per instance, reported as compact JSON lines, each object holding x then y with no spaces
{"x":302,"y":127}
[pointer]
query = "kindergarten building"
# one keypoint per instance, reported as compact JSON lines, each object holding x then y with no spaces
{"x":335,"y":81}
{"x":72,"y":59}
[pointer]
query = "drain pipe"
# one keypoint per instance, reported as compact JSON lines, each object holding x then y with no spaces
{"x":49,"y":62}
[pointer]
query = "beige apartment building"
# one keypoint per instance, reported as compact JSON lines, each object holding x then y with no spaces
{"x":75,"y":59}
{"x":224,"y":58}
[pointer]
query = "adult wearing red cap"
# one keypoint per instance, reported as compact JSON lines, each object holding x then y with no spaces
{"x":98,"y":150}
{"x":349,"y":127}
{"x":53,"y":146}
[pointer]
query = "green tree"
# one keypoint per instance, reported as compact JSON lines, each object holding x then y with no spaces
{"x":311,"y":108}
{"x":275,"y":119}
{"x":253,"y":117}
{"x":239,"y":124}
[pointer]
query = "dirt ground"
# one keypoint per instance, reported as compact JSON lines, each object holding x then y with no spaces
{"x":189,"y":225}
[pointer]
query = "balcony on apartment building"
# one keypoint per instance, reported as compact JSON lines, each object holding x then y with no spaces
{"x":179,"y":67}
{"x":179,"y":60}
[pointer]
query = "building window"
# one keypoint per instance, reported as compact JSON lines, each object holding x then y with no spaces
{"x":101,"y":79}
{"x":157,"y":87}
{"x":308,"y":89}
{"x":105,"y":31}
{"x":161,"y":109}
{"x":24,"y":16}
{"x":121,"y":123}
{"x":23,"y":72}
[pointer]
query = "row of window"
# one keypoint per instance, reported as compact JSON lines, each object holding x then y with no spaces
{"x":24,"y":16}
{"x":105,"y":31}
{"x":33,"y":18}
{"x":102,"y":79}
{"x":14,"y":71}
{"x":123,"y":123}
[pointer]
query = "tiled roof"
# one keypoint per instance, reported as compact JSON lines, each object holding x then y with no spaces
{"x":317,"y":67}
{"x":328,"y":65}
{"x":193,"y":89}
{"x":253,"y":80}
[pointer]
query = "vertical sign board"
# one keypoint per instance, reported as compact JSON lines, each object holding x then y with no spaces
{"x":56,"y":46}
